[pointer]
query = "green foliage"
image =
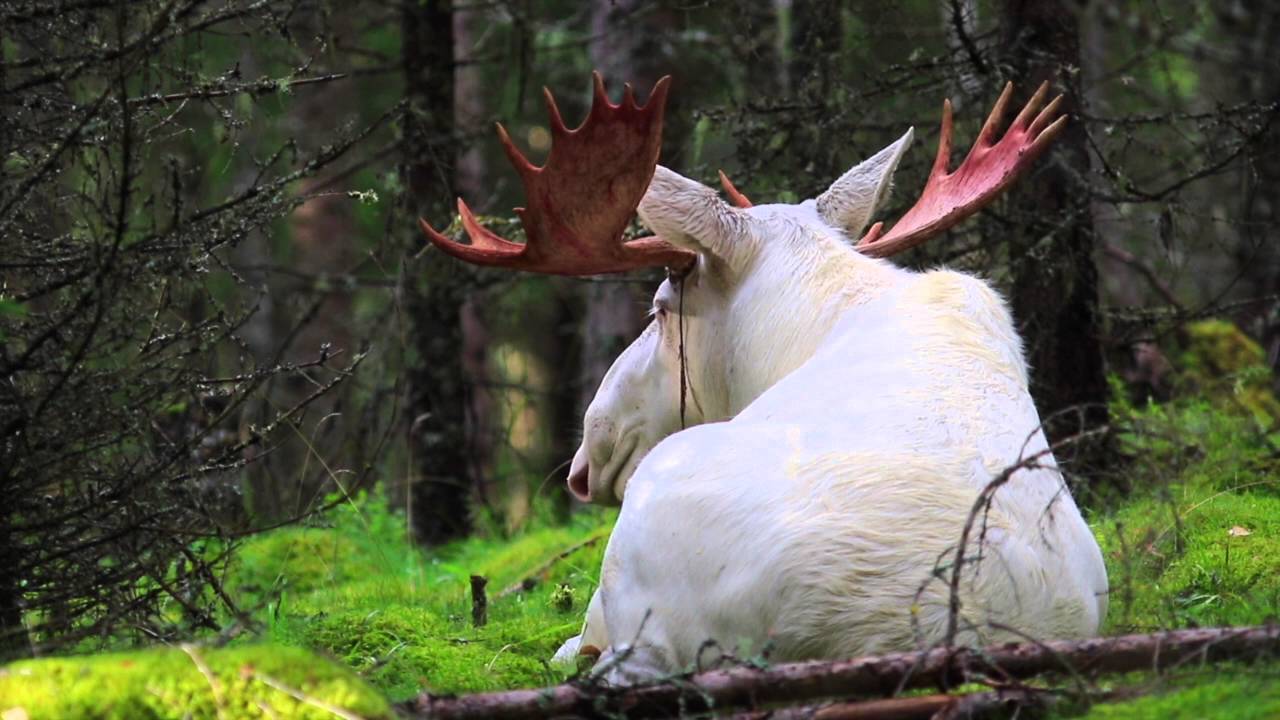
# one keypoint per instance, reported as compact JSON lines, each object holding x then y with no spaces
{"x":1228,"y":367}
{"x":1235,"y":692}
{"x":1198,"y":541}
{"x":244,"y":682}
{"x":362,"y":592}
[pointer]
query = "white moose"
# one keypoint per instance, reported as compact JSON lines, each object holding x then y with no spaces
{"x":843,"y":414}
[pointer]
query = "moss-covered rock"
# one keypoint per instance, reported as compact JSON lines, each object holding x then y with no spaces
{"x":243,"y":682}
{"x":1226,"y":366}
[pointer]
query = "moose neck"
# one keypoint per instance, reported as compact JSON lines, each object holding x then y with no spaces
{"x":786,"y":309}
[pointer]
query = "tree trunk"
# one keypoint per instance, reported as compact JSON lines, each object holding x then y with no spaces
{"x":815,"y":61}
{"x":435,"y":289}
{"x":624,"y":49}
{"x":1256,"y":71}
{"x":1051,"y":240}
{"x":13,"y":636}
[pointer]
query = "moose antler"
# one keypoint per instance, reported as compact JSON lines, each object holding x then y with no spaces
{"x":739,"y":200}
{"x":990,"y":167}
{"x":582,"y":199}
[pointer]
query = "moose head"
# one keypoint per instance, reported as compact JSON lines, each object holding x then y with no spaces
{"x":751,"y":290}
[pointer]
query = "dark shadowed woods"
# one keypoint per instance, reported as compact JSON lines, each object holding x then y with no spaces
{"x":218,"y":315}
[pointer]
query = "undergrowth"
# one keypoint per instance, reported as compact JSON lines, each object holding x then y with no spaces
{"x":1194,"y":542}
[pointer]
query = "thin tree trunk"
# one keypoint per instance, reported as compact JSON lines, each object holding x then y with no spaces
{"x":1051,"y":243}
{"x":13,"y":635}
{"x":469,"y":111}
{"x":624,"y":49}
{"x":815,"y":43}
{"x":438,"y":392}
{"x":1256,"y":72}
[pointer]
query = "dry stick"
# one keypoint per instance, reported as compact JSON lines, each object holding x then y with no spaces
{"x":1146,"y":271}
{"x":219,"y":702}
{"x":479,"y":602}
{"x":529,"y":581}
{"x":921,"y":707}
{"x":749,"y":687}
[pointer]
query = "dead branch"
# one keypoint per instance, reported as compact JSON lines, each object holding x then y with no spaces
{"x":530,"y":581}
{"x":1145,"y":270}
{"x":752,"y":687}
{"x":479,"y":601}
{"x":920,"y":707}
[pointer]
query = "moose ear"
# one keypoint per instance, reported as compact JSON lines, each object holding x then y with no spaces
{"x":691,"y":215}
{"x":850,"y":201}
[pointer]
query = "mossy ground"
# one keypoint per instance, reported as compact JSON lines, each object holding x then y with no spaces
{"x":253,"y":681}
{"x":360,"y":592}
{"x":1195,"y":543}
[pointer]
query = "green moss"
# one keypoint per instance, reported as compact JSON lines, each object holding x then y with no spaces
{"x":1194,"y":559}
{"x":1235,"y":692}
{"x":1197,"y":542}
{"x":403,"y":619}
{"x":243,"y":682}
{"x":1226,"y":366}
{"x":297,"y":559}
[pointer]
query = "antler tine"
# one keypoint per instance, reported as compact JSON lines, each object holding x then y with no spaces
{"x":734,"y":194}
{"x":942,"y":160}
{"x":553,"y":114}
{"x":581,"y":200}
{"x":989,"y":168}
{"x":1024,"y":117}
{"x":986,"y":136}
{"x":514,"y":156}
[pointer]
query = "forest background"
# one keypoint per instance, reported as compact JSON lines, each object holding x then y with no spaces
{"x":218,"y":315}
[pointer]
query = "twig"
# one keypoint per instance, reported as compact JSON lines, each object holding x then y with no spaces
{"x":479,"y":602}
{"x":303,"y":697}
{"x":259,"y":87}
{"x":220,"y":703}
{"x":1127,"y":258}
{"x":920,"y":707}
{"x":528,"y":582}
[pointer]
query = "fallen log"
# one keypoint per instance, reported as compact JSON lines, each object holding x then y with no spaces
{"x":752,"y":687}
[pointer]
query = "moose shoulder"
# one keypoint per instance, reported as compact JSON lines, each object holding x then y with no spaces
{"x":843,"y":415}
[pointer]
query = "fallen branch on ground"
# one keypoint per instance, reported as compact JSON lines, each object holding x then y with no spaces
{"x":919,"y":707}
{"x":751,"y":687}
{"x":530,"y":581}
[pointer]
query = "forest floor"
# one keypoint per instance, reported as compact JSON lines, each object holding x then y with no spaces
{"x":1194,"y":543}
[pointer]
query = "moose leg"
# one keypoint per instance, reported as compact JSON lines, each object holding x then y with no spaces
{"x":591,"y":640}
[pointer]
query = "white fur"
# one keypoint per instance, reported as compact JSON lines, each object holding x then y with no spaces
{"x":847,"y":415}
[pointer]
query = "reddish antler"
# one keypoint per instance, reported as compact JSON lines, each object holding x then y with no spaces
{"x":581,"y":200}
{"x":990,"y":167}
{"x":734,"y":194}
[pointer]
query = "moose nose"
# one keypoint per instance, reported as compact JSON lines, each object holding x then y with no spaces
{"x":579,"y":471}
